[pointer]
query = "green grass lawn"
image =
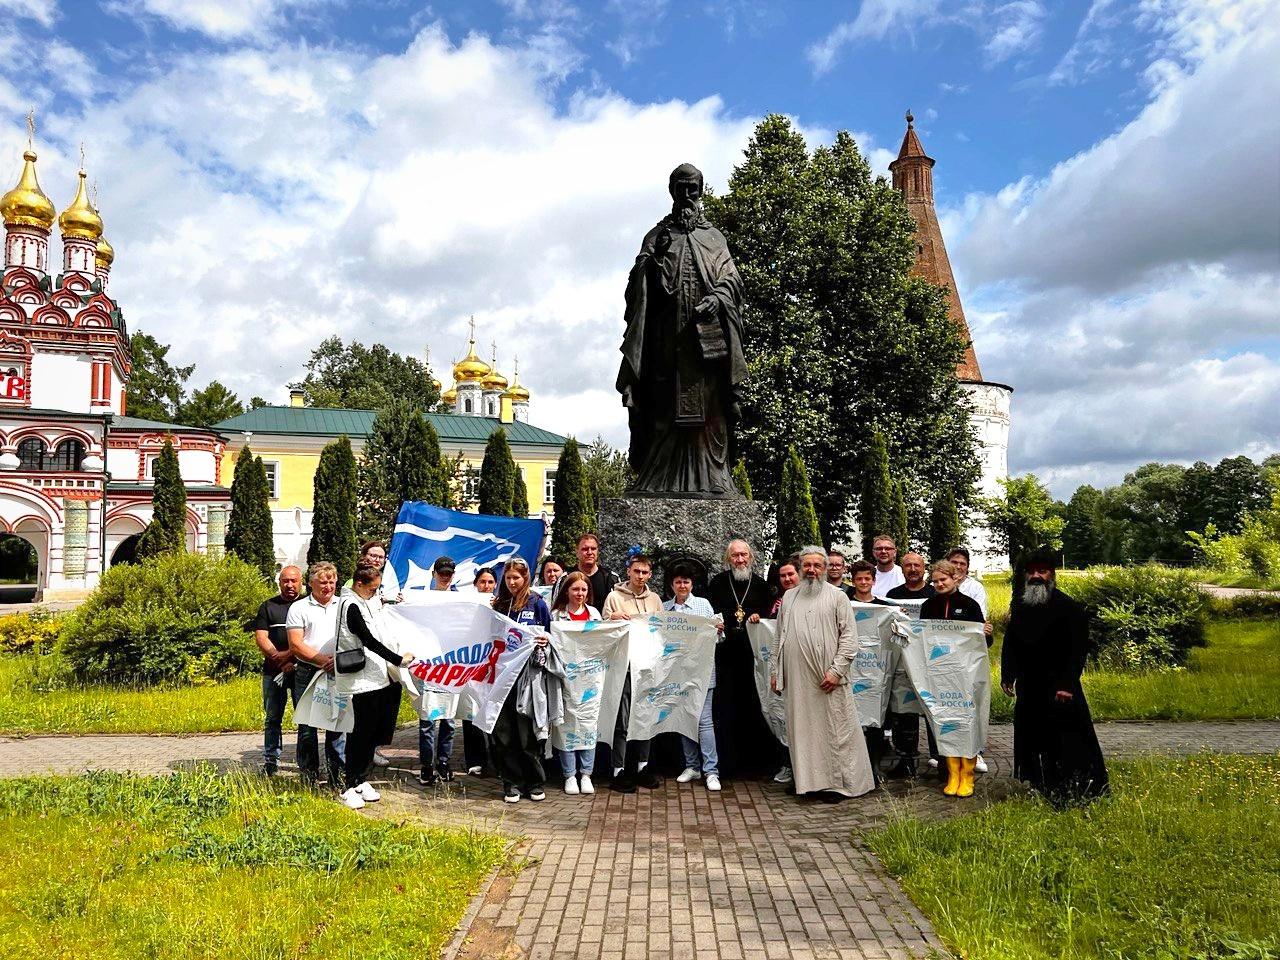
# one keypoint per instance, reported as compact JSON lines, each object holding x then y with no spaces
{"x":1181,"y":863}
{"x":28,"y":707}
{"x":200,"y":866}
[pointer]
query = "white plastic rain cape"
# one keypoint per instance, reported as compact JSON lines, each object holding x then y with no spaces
{"x":671,"y":657}
{"x":595,"y":665}
{"x":764,"y":638}
{"x":947,"y":663}
{"x":876,"y":661}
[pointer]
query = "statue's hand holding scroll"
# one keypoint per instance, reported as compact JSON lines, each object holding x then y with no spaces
{"x":706,"y":307}
{"x":710,"y":330}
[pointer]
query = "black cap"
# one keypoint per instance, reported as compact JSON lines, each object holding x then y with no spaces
{"x":1041,"y":557}
{"x":444,"y":564}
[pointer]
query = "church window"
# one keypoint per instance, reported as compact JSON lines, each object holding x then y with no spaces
{"x":549,"y":487}
{"x":272,"y":467}
{"x":31,"y":454}
{"x":68,"y":455}
{"x":466,"y":406}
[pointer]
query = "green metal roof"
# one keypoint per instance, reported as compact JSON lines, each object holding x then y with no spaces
{"x":332,"y":421}
{"x":137,"y":423}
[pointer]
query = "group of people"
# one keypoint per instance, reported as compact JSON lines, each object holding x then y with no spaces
{"x":830,"y":755}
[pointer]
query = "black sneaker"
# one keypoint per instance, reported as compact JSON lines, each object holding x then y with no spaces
{"x":268,"y":770}
{"x":623,"y":783}
{"x":444,"y":774}
{"x":428,"y":778}
{"x":904,"y":769}
{"x":648,"y":779}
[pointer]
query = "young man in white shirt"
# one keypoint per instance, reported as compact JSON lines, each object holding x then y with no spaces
{"x":312,"y":626}
{"x":969,"y":586}
{"x":700,"y":758}
{"x":888,"y":573}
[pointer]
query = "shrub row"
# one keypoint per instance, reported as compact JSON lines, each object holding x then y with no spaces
{"x":32,"y":632}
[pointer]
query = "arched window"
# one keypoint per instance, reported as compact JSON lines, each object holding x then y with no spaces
{"x":467,"y":406}
{"x":68,"y":455}
{"x":31,"y":454}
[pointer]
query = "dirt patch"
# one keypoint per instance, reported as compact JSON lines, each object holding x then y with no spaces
{"x":483,"y":940}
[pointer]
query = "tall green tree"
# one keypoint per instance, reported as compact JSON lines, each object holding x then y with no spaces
{"x":1239,"y":489}
{"x":875,"y":508}
{"x":167,"y":531}
{"x":211,"y":405}
{"x":249,"y":531}
{"x":608,"y":472}
{"x":945,"y":531}
{"x":520,"y":497}
{"x":156,"y":388}
{"x":840,"y":338}
{"x":401,"y":461}
{"x":797,"y":520}
{"x":366,"y":378}
{"x":900,"y":522}
{"x":1083,"y":539}
{"x":1025,"y":518}
{"x":575,"y":512}
{"x":333,"y":520}
{"x":497,"y":476}
{"x":741,"y":480}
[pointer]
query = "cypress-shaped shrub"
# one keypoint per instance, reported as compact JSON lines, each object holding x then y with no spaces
{"x":797,"y":520}
{"x":167,"y":531}
{"x":898,"y":528}
{"x":249,"y":530}
{"x":497,"y":476}
{"x":575,"y":512}
{"x":875,"y":511}
{"x":333,"y":522}
{"x":944,"y":526}
{"x":741,"y":480}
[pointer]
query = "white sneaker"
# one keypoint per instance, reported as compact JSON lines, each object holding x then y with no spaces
{"x":933,"y":763}
{"x":367,"y":792}
{"x":585,"y":785}
{"x":571,"y":786}
{"x":537,"y":796}
{"x":352,"y":799}
{"x":513,"y":797}
{"x":713,"y":782}
{"x":380,"y":759}
{"x":688,"y":774}
{"x":980,"y":765}
{"x":783,"y":776}
{"x":474,"y":771}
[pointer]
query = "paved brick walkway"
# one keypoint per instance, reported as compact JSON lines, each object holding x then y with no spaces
{"x":749,"y":874}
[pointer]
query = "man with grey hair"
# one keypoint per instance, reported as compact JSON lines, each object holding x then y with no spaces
{"x":312,"y":627}
{"x":817,"y":641}
{"x":746,"y":746}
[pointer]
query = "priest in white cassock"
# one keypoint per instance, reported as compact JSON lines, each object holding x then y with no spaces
{"x":817,"y":642}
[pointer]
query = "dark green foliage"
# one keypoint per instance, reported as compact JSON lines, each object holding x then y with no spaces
{"x":333,"y":523}
{"x":211,"y":405}
{"x":520,"y":499}
{"x":497,"y":476}
{"x":167,"y":531}
{"x":945,"y":532}
{"x":900,"y":528}
{"x":178,"y":618}
{"x":1024,"y":519}
{"x":741,"y":480}
{"x":1083,"y":539}
{"x":608,"y":472}
{"x":797,"y":520}
{"x":249,"y":528}
{"x":156,"y":388}
{"x":401,"y":461}
{"x":840,"y":338}
{"x":875,"y":507}
{"x":366,"y":378}
{"x":575,"y":511}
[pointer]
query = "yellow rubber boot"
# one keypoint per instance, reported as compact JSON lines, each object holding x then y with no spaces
{"x":967,"y":766}
{"x":953,"y":776}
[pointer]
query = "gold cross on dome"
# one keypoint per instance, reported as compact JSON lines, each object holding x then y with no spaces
{"x":494,"y":345}
{"x":31,"y":129}
{"x":472,"y":324}
{"x":82,"y":155}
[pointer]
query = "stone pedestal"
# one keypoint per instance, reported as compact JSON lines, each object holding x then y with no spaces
{"x":670,"y":528}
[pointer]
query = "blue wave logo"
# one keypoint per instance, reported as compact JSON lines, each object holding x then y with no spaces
{"x":939,"y":650}
{"x":589,"y":694}
{"x":948,"y":726}
{"x":671,"y":647}
{"x":663,"y":714}
{"x":436,"y":714}
{"x":861,"y":687}
{"x":909,"y":696}
{"x":860,"y":615}
{"x":590,"y":625}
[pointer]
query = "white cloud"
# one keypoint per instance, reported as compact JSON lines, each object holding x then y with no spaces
{"x":219,"y":19}
{"x":875,"y":19}
{"x":44,"y":12}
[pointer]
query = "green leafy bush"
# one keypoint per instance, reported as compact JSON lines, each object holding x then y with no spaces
{"x":33,"y":632}
{"x":1142,"y":618}
{"x":1248,"y":606}
{"x":178,"y":618}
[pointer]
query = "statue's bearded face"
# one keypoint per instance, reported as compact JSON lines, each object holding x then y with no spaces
{"x":686,"y":192}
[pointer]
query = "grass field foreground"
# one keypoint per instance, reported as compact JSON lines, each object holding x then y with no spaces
{"x":195,"y":865}
{"x":1182,"y":862}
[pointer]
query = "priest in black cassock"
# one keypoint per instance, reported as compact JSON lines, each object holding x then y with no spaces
{"x":746,"y":745}
{"x":1055,"y":748}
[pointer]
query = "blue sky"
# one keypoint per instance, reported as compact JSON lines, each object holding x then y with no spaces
{"x":276,"y":170}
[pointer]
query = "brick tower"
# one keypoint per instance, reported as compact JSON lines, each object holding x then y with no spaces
{"x":989,"y":402}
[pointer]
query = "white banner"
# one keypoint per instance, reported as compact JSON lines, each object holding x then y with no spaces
{"x":595,"y":665}
{"x":947,"y":663}
{"x":324,"y":706}
{"x":671,"y":657}
{"x":460,"y":649}
{"x":764,"y":636}
{"x":876,"y":661}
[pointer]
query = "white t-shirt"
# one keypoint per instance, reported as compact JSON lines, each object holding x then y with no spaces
{"x":319,"y":624}
{"x":885,"y":581}
{"x":972,"y":587}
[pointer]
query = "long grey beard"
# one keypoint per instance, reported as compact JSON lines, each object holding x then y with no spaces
{"x":809,"y":589}
{"x":741,"y":574}
{"x":1036,"y":594}
{"x":689,"y":217}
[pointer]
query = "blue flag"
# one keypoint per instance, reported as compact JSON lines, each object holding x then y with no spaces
{"x":425,"y":533}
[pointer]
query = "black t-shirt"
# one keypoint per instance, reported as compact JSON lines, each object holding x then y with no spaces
{"x":952,"y":606}
{"x":903,"y":592}
{"x":271,"y":618}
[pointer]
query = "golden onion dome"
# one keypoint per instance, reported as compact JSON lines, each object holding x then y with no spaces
{"x":26,"y":205}
{"x":493,"y":380}
{"x":105,"y":254}
{"x":470,"y":369}
{"x":80,"y":220}
{"x":516,"y":393}
{"x":449,"y":397}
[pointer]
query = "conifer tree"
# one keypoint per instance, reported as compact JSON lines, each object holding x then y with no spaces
{"x":497,"y":476}
{"x":898,"y":526}
{"x":944,"y":526}
{"x":333,"y":522}
{"x":797,"y":520}
{"x":874,"y":512}
{"x":741,"y":480}
{"x":401,"y":461}
{"x":166,"y":533}
{"x":249,"y":529}
{"x":574,"y":507}
{"x":520,"y":499}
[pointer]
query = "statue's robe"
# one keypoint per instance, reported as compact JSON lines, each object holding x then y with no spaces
{"x":680,"y":405}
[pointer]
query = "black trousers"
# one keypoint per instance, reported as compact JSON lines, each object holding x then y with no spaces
{"x":905,"y":728}
{"x":370,"y":711}
{"x":515,"y":750}
{"x":637,"y":751}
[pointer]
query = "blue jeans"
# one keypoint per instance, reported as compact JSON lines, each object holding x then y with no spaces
{"x":706,"y":743}
{"x":309,"y":741}
{"x":574,"y":762}
{"x":274,"y":697}
{"x":429,"y":748}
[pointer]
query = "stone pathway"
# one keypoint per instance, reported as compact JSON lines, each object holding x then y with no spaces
{"x":747,"y":874}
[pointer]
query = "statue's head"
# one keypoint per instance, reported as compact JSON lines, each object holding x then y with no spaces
{"x":685,"y":186}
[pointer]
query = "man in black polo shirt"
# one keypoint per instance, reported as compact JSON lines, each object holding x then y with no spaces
{"x":915,"y":587}
{"x":602,"y":579}
{"x":277,"y":664}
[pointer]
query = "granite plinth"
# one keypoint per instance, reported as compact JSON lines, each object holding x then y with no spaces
{"x":670,"y":528}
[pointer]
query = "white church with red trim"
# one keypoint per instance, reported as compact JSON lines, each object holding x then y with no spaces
{"x":75,"y":471}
